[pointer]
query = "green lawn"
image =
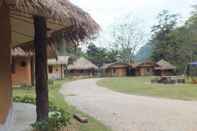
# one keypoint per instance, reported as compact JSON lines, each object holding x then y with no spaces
{"x":142,"y":86}
{"x":58,"y":99}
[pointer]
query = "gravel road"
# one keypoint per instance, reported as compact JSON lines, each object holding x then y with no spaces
{"x":124,"y":112}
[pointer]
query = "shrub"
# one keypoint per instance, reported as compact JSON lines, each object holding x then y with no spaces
{"x":25,"y":99}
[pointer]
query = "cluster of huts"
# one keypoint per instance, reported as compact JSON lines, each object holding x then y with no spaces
{"x":23,"y":66}
{"x":59,"y":66}
{"x":146,"y":68}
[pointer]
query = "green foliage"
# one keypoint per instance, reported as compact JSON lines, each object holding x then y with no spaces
{"x":161,"y":39}
{"x":24,"y":99}
{"x":99,"y":55}
{"x":57,"y":120}
{"x":40,"y":126}
{"x":175,"y":44}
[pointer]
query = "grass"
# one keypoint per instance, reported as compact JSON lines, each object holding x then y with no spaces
{"x":55,"y":97}
{"x":142,"y":86}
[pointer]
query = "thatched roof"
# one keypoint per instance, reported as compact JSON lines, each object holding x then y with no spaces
{"x":62,"y":16}
{"x":164,"y":65}
{"x":82,"y":64}
{"x":28,"y":48}
{"x":61,"y":60}
{"x":145,"y":64}
{"x":114,"y":65}
{"x":20,"y":52}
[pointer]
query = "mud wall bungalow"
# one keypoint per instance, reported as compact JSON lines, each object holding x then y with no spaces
{"x":82,"y":67}
{"x":115,"y":69}
{"x":164,"y":68}
{"x":23,"y":64}
{"x":144,"y":68}
{"x":56,"y":67}
{"x":22,"y":67}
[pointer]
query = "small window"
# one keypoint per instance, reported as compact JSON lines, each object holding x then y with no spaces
{"x":50,"y":69}
{"x":23,"y":64}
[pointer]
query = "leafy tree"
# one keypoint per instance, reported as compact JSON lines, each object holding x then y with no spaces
{"x":175,"y":44}
{"x":99,"y":55}
{"x":162,"y":40}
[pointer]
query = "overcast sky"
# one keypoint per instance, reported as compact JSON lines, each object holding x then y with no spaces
{"x":106,"y":11}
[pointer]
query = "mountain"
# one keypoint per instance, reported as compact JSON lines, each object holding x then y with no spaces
{"x":144,"y":53}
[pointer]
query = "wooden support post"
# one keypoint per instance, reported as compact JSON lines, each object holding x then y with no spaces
{"x":40,"y":44}
{"x":5,"y":63}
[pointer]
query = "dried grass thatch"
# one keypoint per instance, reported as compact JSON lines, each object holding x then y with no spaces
{"x":164,"y":65}
{"x":62,"y":17}
{"x":28,"y":49}
{"x":19,"y":52}
{"x":82,"y":64}
{"x":61,"y":60}
{"x":114,"y":65}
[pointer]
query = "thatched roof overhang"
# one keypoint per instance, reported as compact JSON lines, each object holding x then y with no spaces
{"x":19,"y":52}
{"x":61,"y":60}
{"x":28,"y":48}
{"x":62,"y":17}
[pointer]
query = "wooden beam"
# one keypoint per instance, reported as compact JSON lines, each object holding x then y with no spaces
{"x":5,"y":63}
{"x":40,"y":45}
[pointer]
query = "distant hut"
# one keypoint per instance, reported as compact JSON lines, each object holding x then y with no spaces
{"x":164,"y":68}
{"x":23,"y":64}
{"x":115,"y":69}
{"x":22,"y":67}
{"x":144,"y":68}
{"x":56,"y":67}
{"x":82,"y":67}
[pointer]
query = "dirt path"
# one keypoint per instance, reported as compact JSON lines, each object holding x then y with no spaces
{"x":128,"y":112}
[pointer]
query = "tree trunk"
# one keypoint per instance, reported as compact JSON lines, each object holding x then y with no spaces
{"x":40,"y":44}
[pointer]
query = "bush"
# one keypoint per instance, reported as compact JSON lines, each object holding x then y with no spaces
{"x":25,"y":99}
{"x":58,"y":118}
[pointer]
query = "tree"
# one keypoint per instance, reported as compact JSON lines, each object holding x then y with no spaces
{"x":127,"y":35}
{"x":172,"y":43}
{"x":99,"y":55}
{"x":162,"y":41}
